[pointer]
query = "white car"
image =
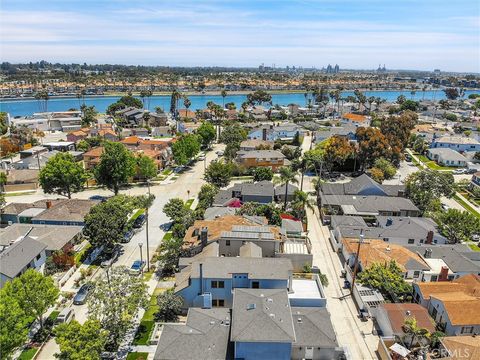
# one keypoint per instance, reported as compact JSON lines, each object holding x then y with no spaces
{"x":201,"y":158}
{"x":459,"y":171}
{"x":219,"y":153}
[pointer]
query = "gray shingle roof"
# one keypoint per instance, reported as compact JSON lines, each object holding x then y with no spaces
{"x":69,"y":210}
{"x":18,"y":255}
{"x":53,"y":236}
{"x":452,"y":255}
{"x":217,"y":211}
{"x":204,"y":336}
{"x":370,"y":204}
{"x":263,"y":154}
{"x":261,"y":315}
{"x":362,"y":185}
{"x":313,"y":327}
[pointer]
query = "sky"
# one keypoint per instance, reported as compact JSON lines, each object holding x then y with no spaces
{"x":355,"y":34}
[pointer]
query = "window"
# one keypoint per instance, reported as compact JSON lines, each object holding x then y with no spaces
{"x":255,"y":285}
{"x":466,"y":330}
{"x":386,"y":239}
{"x":218,"y":284}
{"x":227,"y":242}
{"x":411,"y":241}
{"x":218,"y":302}
{"x":416,"y":274}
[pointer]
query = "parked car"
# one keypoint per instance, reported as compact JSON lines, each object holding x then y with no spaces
{"x":137,"y":267}
{"x":139,"y":221}
{"x":65,"y":316}
{"x":219,"y":152}
{"x":167,"y":226}
{"x":445,"y":207}
{"x":459,"y":171}
{"x":98,"y":197}
{"x":127,"y":236}
{"x":201,"y":158}
{"x":109,"y":259}
{"x":82,"y":294}
{"x":315,"y":270}
{"x":471,"y":171}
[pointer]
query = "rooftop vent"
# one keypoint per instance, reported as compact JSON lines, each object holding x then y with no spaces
{"x":299,"y":320}
{"x":269,"y":300}
{"x":388,"y":248}
{"x":251,"y":306}
{"x":272,"y":316}
{"x":212,"y":322}
{"x":409,"y":312}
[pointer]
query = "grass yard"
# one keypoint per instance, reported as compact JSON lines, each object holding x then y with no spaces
{"x":137,"y":356}
{"x":167,"y":172}
{"x":28,"y":354}
{"x":136,"y":215}
{"x":466,"y":206}
{"x":433,"y":165}
{"x":81,"y":255}
{"x":188,"y":203}
{"x":474,"y":247}
{"x":143,"y":333}
{"x":53,"y":315}
{"x":167,"y":236}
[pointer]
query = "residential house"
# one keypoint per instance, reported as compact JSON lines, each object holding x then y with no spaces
{"x":13,"y":212}
{"x":187,"y":114}
{"x":161,"y":131}
{"x":292,"y":227}
{"x":210,"y":281}
{"x":20,"y":256}
{"x":283,"y":132}
{"x":391,"y":319}
{"x":156,"y":120}
{"x":460,"y":347}
{"x":65,"y":121}
{"x":393,"y":229}
{"x":447,"y":157}
{"x":280,"y":191}
{"x":21,"y":180}
{"x":188,"y":127}
{"x":355,"y":120}
{"x":379,"y":252}
{"x":324,"y":133}
{"x":475,"y":181}
{"x":458,"y":143}
{"x":132,"y":117}
{"x":55,"y":237}
{"x":262,"y":158}
{"x":255,"y":144}
{"x":91,"y":158}
{"x":33,"y":151}
{"x":62,"y":146}
{"x":363,"y":185}
{"x":447,"y":262}
{"x":66,"y":212}
{"x":205,"y":335}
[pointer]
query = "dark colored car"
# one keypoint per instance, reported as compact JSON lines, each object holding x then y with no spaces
{"x":139,"y":221}
{"x":82,"y":294}
{"x":127,"y":236}
{"x":98,"y":197}
{"x":109,"y":258}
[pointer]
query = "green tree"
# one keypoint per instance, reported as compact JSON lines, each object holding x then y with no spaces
{"x":3,"y":123}
{"x":413,"y":331}
{"x":300,"y":203}
{"x":89,"y":115}
{"x":185,"y":148}
{"x":451,"y":93}
{"x":114,"y":302}
{"x":376,"y":174}
{"x":146,"y":167}
{"x":271,"y":211}
{"x":83,"y":145}
{"x":106,"y":222}
{"x":287,"y":176}
{"x":62,"y":175}
{"x":458,"y":225}
{"x":224,"y":95}
{"x":169,"y":306}
{"x":262,"y":174}
{"x":425,"y":186}
{"x":409,"y":105}
{"x":131,"y":101}
{"x":386,"y":278}
{"x":113,"y":108}
{"x":372,"y":144}
{"x":259,"y":97}
{"x":3,"y":181}
{"x":116,"y":166}
{"x":206,"y":195}
{"x":34,"y":293}
{"x":233,"y":134}
{"x":80,"y":342}
{"x":207,"y":133}
{"x":170,"y":250}
{"x":175,"y":209}
{"x":386,"y":167}
{"x":218,"y":173}
{"x":338,"y":150}
{"x":13,"y":322}
{"x":231,"y":151}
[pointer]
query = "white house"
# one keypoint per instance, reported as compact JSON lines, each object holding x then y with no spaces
{"x":458,"y":143}
{"x":447,"y":157}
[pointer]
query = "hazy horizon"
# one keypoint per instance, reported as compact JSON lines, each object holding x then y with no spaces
{"x":406,"y":35}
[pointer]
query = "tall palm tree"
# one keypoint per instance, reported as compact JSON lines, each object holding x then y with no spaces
{"x":411,"y":328}
{"x":287,"y":176}
{"x":301,"y":202}
{"x":224,"y":95}
{"x":187,"y":103}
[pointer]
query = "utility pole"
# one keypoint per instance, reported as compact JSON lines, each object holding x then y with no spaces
{"x":141,"y":256}
{"x":355,"y":269}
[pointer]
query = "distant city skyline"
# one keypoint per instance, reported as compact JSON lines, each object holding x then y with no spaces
{"x":405,"y":34}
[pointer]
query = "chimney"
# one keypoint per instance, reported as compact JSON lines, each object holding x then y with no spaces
{"x":204,"y":236}
{"x":201,"y":278}
{"x":443,"y":274}
{"x":427,"y":254}
{"x":264,"y":134}
{"x":429,"y":237}
{"x":389,"y":222}
{"x":49,"y":204}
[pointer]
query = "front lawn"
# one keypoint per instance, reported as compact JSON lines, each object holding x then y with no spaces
{"x":143,"y":333}
{"x":466,"y":206}
{"x":137,"y":356}
{"x":167,"y":236}
{"x":53,"y":315}
{"x":188,"y":203}
{"x":474,"y":246}
{"x":28,"y":354}
{"x":433,"y":165}
{"x":167,"y":172}
{"x":82,"y":255}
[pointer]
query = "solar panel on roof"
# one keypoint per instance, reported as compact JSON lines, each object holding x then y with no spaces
{"x":257,"y":229}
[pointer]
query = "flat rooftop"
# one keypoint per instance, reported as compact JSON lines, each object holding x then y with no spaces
{"x":305,"y":289}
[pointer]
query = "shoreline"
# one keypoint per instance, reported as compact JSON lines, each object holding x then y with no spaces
{"x":214,"y":93}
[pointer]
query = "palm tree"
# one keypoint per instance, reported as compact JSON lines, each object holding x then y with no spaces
{"x":301,"y":202}
{"x":287,"y":176}
{"x":411,"y":328}
{"x":187,"y":103}
{"x":224,"y":95}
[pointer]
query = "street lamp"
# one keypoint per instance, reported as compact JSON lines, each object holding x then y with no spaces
{"x":140,"y":244}
{"x":146,"y":218}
